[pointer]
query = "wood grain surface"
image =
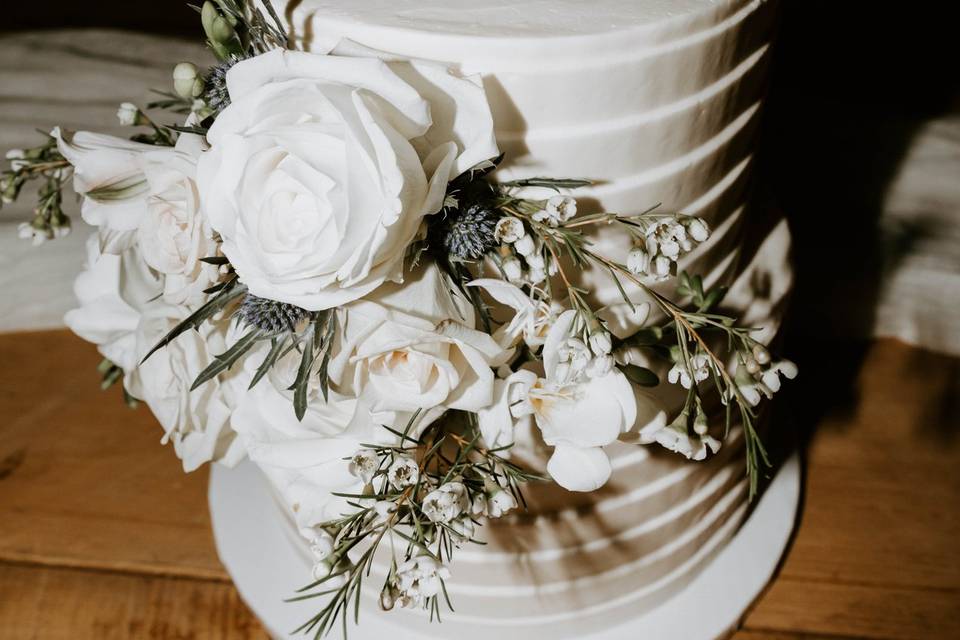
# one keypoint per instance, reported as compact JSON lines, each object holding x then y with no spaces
{"x":103,"y":536}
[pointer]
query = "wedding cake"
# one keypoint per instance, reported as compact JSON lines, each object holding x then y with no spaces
{"x":476,"y":287}
{"x":657,"y":101}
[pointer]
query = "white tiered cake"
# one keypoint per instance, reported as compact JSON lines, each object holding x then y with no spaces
{"x":657,"y":101}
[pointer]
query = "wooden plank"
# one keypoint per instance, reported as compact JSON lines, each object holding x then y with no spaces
{"x":84,"y":480}
{"x":41,"y":603}
{"x":857,"y":611}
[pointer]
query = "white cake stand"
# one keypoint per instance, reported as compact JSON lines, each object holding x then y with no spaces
{"x":266,"y":568}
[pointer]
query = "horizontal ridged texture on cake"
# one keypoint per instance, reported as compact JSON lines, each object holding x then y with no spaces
{"x":657,"y":101}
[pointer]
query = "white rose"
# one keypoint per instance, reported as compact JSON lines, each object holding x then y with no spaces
{"x":108,"y":173}
{"x":196,"y":422}
{"x":402,"y":350}
{"x":323,"y":167}
{"x":113,"y":290}
{"x":308,"y":460}
{"x":173,"y":235}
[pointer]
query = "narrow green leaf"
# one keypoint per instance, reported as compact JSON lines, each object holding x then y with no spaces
{"x":230,"y":291}
{"x":227,"y":359}
{"x":640,"y":375}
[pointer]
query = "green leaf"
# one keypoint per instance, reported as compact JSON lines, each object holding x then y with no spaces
{"x":646,"y":336}
{"x":549,"y":183}
{"x":227,"y":359}
{"x":230,"y":291}
{"x":276,"y":350}
{"x":301,"y":384}
{"x":640,"y":375}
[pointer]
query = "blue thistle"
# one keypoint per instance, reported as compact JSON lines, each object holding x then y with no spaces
{"x":271,"y":316}
{"x":468,"y":233}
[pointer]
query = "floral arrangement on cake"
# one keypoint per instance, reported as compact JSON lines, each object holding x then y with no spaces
{"x":321,"y":247}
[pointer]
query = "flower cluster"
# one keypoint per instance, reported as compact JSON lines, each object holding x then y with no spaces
{"x":324,"y":233}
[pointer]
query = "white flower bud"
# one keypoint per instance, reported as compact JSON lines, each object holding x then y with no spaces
{"x":186,"y":81}
{"x":761,"y":354}
{"x":601,"y":343}
{"x":536,"y":276}
{"x":638,"y":262}
{"x":524,"y":246}
{"x":661,"y":267}
{"x":128,"y":114}
{"x":512,"y":269}
{"x":509,"y":230}
{"x":753,"y":367}
{"x":698,"y":229}
{"x":535,"y":261}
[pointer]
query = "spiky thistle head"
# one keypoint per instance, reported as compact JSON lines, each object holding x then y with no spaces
{"x":216,"y":93}
{"x":467,"y":233}
{"x":270,"y":315}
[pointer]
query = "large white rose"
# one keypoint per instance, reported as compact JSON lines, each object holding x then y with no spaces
{"x":323,"y":167}
{"x":196,"y":422}
{"x":406,"y":348}
{"x":113,"y":291}
{"x":173,"y":235}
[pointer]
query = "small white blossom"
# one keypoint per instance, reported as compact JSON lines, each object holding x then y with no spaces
{"x":364,"y":464}
{"x":558,"y":210}
{"x":445,"y":504}
{"x":536,"y":276}
{"x":761,"y":354}
{"x":525,"y":246}
{"x":573,"y":359}
{"x":403,"y":473}
{"x":665,"y":242}
{"x":535,"y":260}
{"x":509,"y":230}
{"x":26,"y":231}
{"x":479,"y":505}
{"x":321,"y":542}
{"x":755,"y":385}
{"x":512,"y":269}
{"x":699,"y":371}
{"x":500,"y":502}
{"x":128,"y":114}
{"x":601,"y":343}
{"x":419,"y":579}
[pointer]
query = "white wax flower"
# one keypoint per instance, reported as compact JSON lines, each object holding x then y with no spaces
{"x":509,"y":230}
{"x":364,"y":464}
{"x":559,"y":209}
{"x":419,"y":579}
{"x":524,"y":246}
{"x":500,"y":502}
{"x":403,"y":472}
{"x":128,"y":114}
{"x":600,"y":342}
{"x":698,"y":372}
{"x":444,"y":504}
{"x":322,"y":168}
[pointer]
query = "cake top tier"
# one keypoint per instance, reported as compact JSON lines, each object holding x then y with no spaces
{"x":508,"y":30}
{"x":509,"y":18}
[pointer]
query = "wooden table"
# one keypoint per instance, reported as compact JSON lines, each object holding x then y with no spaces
{"x":103,"y":536}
